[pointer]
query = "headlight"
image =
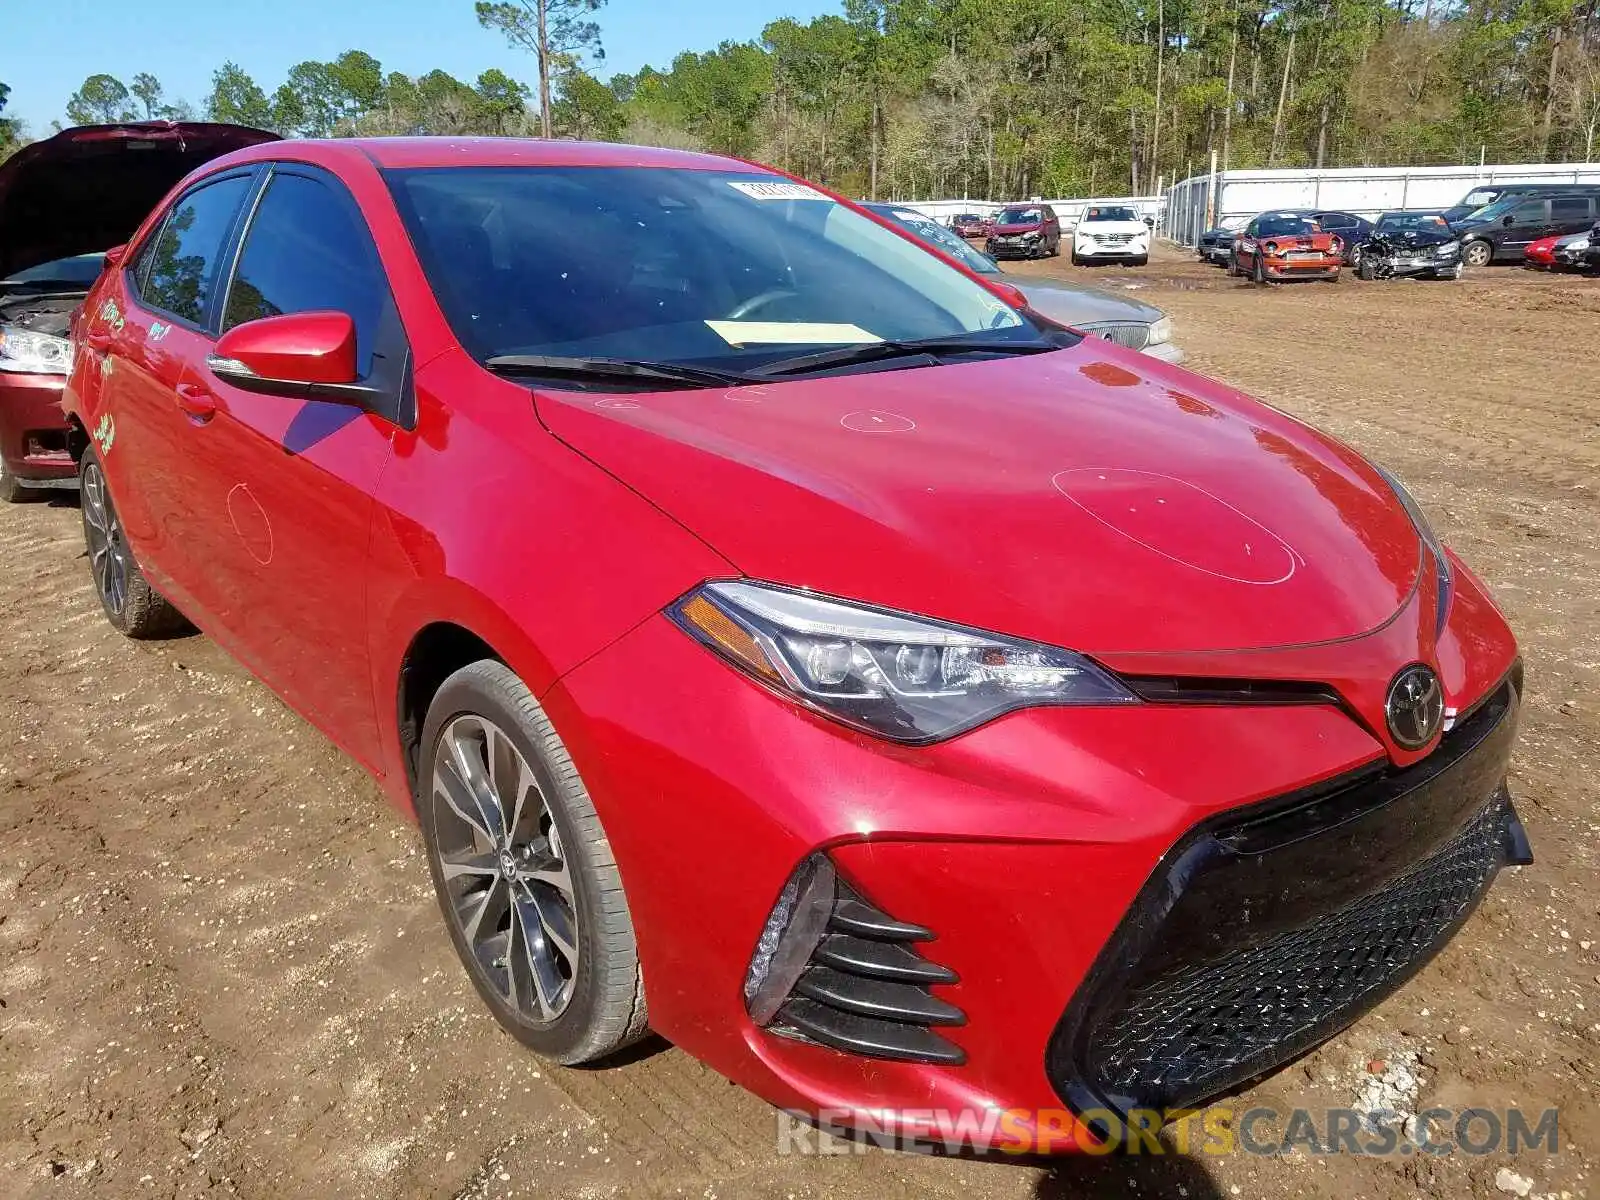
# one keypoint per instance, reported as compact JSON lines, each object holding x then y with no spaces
{"x":1441,"y":560}
{"x":33,"y":353}
{"x":901,"y":677}
{"x":1031,"y":235}
{"x":1447,"y":248}
{"x":1160,"y":331}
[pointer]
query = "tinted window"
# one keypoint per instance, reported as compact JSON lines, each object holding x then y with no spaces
{"x":1568,"y":208}
{"x":308,"y":249}
{"x":1336,"y":220}
{"x":183,"y":264}
{"x":1528,"y":212}
{"x":1113,"y":213}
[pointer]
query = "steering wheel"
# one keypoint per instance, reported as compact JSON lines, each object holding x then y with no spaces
{"x":759,"y":301}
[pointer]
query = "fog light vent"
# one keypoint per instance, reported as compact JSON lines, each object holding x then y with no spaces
{"x":833,"y":969}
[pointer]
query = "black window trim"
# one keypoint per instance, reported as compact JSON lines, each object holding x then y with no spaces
{"x":207,"y":325}
{"x":393,"y":345}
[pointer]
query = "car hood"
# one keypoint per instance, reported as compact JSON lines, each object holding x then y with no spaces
{"x":1091,"y":498}
{"x":1079,"y":305}
{"x":88,"y":188}
{"x":998,"y":230}
{"x":1097,"y":228}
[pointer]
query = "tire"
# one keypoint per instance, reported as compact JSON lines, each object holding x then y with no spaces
{"x":1355,"y":259}
{"x":1076,"y":261}
{"x":1365,"y":269}
{"x":1258,"y":272}
{"x":1477,"y":253}
{"x":594,"y":1007}
{"x":1142,"y":261}
{"x":12,"y":491}
{"x":134,"y":608}
{"x":1233,"y":266}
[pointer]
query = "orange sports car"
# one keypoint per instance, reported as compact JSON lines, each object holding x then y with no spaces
{"x":1286,"y":245}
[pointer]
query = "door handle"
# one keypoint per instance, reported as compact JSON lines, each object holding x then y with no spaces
{"x":195,"y":402}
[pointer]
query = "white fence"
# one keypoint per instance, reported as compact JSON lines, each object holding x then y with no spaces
{"x":1068,"y":210}
{"x":1366,"y":191}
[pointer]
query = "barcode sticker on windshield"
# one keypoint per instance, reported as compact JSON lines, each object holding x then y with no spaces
{"x":781,"y":190}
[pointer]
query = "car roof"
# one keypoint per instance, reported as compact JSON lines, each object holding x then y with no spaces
{"x":411,"y":152}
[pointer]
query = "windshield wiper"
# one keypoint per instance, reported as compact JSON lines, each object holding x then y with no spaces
{"x":620,"y":369}
{"x":867,"y":352}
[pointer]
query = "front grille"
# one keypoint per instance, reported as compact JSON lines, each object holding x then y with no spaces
{"x":867,"y":989}
{"x":1197,"y":1029}
{"x":1132,"y":334}
{"x":1114,"y":239}
{"x":1263,"y":934}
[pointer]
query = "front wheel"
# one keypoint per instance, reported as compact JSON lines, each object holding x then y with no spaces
{"x":1477,"y":254}
{"x":1076,"y":261}
{"x":523,"y":871}
{"x":1365,"y":270}
{"x":133,"y":607}
{"x":11,"y":489}
{"x":1258,"y":273}
{"x":1142,"y":260}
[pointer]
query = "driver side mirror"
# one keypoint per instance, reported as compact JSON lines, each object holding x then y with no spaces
{"x":311,"y":355}
{"x":1509,"y":220}
{"x":113,"y":256}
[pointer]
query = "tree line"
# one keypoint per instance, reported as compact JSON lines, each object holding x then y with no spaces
{"x":996,"y":98}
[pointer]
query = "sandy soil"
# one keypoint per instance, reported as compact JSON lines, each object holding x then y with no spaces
{"x":221,"y":969}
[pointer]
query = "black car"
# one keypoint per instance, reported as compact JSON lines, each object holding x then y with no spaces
{"x":1216,"y":244}
{"x":1591,"y":256}
{"x":1352,"y":230}
{"x":1405,"y":243}
{"x":1503,"y":231}
{"x":1482,"y":197}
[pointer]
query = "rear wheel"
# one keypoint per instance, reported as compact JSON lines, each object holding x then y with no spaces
{"x":133,"y":607}
{"x":1477,"y":253}
{"x":523,"y":871}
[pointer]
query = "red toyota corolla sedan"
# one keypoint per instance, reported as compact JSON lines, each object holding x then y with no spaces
{"x":906,"y":705}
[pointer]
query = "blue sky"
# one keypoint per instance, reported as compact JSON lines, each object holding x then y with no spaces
{"x":49,"y":47}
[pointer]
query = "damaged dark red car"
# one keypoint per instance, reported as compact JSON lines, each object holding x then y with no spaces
{"x":64,"y":202}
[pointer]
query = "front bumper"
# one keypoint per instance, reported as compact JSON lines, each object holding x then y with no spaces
{"x":33,"y":430}
{"x":1025,"y":847}
{"x":1014,"y":247}
{"x":1123,"y":251}
{"x":1322,"y":267}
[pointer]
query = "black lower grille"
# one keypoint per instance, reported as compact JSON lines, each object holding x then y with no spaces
{"x":867,"y":989}
{"x":1260,"y":936}
{"x":1197,"y":1029}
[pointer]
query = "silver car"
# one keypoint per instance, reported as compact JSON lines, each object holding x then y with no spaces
{"x":1129,"y":323}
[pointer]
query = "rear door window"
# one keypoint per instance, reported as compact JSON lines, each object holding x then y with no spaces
{"x":1529,"y":212}
{"x":181,"y":275}
{"x":1570,"y":208}
{"x":308,"y":250}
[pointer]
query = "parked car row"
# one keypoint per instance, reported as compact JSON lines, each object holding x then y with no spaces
{"x":1504,"y":223}
{"x":1103,"y":233}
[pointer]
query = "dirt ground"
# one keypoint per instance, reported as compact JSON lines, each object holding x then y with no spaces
{"x":221,"y":968}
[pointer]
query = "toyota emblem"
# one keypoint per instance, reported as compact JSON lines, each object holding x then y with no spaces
{"x":1415,"y":706}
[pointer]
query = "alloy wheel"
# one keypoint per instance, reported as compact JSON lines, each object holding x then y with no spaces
{"x":507,"y":878}
{"x":108,"y":546}
{"x":1477,"y":254}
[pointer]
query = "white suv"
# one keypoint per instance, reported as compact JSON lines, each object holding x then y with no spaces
{"x":1113,"y":231}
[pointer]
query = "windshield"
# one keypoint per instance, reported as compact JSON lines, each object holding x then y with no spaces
{"x":930,"y":231}
{"x":718,"y":269}
{"x":1114,"y":213}
{"x":968,"y":219}
{"x":1285,"y":225}
{"x":1478,"y":197}
{"x":81,"y":270}
{"x":1020,"y":216}
{"x":1493,"y":212}
{"x":1400,"y":222}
